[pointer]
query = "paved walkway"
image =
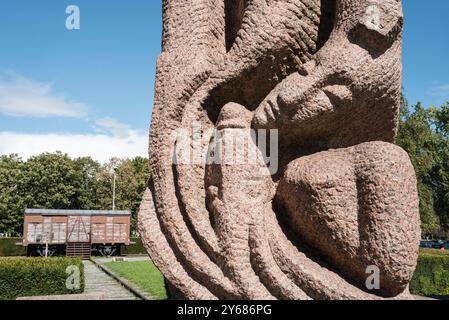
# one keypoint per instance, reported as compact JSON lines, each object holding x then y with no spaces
{"x":99,"y":282}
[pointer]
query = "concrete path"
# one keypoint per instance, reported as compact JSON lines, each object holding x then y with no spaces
{"x":99,"y":282}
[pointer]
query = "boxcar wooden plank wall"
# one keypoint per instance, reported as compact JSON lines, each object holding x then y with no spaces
{"x":98,"y":229}
{"x":33,"y":229}
{"x":38,"y":228}
{"x":59,"y":230}
{"x":110,"y":229}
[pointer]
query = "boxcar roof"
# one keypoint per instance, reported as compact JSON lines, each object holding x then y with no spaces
{"x":57,"y":212}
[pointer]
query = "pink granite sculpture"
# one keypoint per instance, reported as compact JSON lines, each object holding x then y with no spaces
{"x":335,"y":207}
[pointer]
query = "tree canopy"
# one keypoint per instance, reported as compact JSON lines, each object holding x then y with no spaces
{"x":55,"y":181}
{"x":424,"y":134}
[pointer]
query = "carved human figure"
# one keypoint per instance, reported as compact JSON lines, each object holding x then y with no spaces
{"x":367,"y":190}
{"x":344,"y":199}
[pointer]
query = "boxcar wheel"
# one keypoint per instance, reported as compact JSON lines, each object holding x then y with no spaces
{"x":108,"y":251}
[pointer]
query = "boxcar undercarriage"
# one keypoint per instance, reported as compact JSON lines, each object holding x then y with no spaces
{"x":105,"y":250}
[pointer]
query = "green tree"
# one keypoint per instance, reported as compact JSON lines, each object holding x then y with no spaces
{"x":88,"y":171}
{"x":50,"y":181}
{"x":131,"y":182}
{"x":440,"y":117}
{"x":11,"y":200}
{"x":423,"y":134}
{"x":55,"y":181}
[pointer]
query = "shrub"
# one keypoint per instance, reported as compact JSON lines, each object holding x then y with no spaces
{"x":20,"y":277}
{"x":8,"y":247}
{"x":135,"y":248}
{"x":431,"y":277}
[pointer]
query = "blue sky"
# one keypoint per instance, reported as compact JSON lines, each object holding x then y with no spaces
{"x":90,"y":91}
{"x":426,"y":51}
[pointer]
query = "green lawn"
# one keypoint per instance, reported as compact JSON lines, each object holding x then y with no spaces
{"x":143,"y":274}
{"x":433,"y":252}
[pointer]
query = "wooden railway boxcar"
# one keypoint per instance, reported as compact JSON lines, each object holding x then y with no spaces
{"x":75,"y":232}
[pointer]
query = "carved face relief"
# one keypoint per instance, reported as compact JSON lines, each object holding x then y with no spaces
{"x":379,"y":26}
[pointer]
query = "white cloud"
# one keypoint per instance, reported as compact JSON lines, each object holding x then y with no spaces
{"x":440,"y":90}
{"x":114,"y":127}
{"x":100,"y":147}
{"x":23,"y":97}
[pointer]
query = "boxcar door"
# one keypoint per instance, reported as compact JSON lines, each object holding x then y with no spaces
{"x":78,"y":229}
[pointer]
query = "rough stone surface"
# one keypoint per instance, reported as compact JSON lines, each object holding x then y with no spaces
{"x":357,"y":206}
{"x":325,"y":74}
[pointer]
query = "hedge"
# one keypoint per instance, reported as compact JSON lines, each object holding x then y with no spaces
{"x":26,"y":277}
{"x":135,"y":248}
{"x":431,"y":277}
{"x":8,"y":247}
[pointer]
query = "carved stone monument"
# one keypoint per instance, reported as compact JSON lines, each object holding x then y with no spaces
{"x":327,"y":208}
